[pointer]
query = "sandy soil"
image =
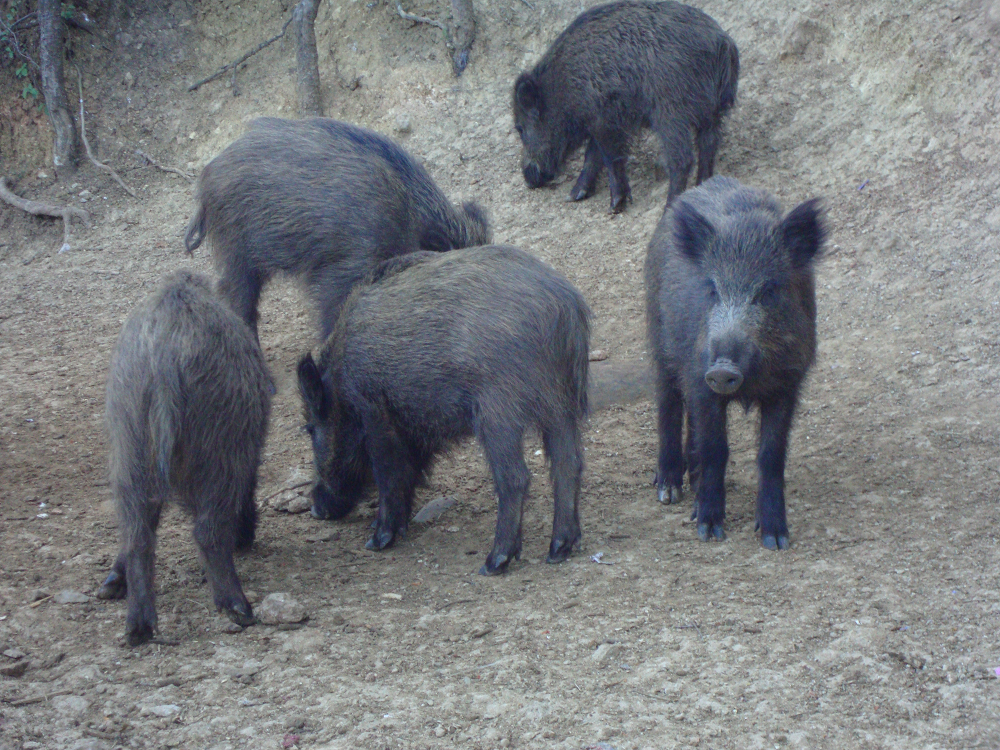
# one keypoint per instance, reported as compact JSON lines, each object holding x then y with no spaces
{"x":877,"y":629}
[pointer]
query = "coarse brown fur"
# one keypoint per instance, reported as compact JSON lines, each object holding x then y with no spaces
{"x":618,"y":68}
{"x":322,"y":200}
{"x":188,"y":400}
{"x":485,"y":341}
{"x":731,"y":312}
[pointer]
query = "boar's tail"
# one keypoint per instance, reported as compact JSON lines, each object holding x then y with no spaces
{"x":196,"y":230}
{"x":165,"y":414}
{"x":729,"y":74}
{"x":574,"y":331}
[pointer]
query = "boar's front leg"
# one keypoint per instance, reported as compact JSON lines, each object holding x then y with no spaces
{"x":670,"y":421}
{"x":712,"y":450}
{"x":775,"y":423}
{"x":593,"y":162}
{"x":613,"y":148}
{"x":396,"y":473}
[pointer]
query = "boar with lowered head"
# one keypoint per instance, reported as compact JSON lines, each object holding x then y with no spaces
{"x":485,"y":341}
{"x":324,"y":201}
{"x":616,"y":69}
{"x":731,"y":311}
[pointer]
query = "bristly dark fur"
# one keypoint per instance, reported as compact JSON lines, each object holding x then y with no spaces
{"x":618,"y":68}
{"x":485,"y":341}
{"x":322,"y":200}
{"x":731,"y":313}
{"x":188,"y":400}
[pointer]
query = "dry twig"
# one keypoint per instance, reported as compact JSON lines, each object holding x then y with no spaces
{"x":233,"y":65}
{"x":39,"y":698}
{"x":153,"y":162}
{"x":36,"y":208}
{"x":86,"y":143}
{"x":419,"y":19}
{"x":286,"y":489}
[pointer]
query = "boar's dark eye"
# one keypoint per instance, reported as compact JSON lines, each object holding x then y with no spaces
{"x":710,"y":291}
{"x":768,"y":295}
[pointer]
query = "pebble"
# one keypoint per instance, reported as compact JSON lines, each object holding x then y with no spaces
{"x":291,"y":501}
{"x":37,"y":594}
{"x":14,"y":653}
{"x":433,"y":510}
{"x":15,"y":670}
{"x":68,"y":596}
{"x":324,"y":536}
{"x":403,"y":124}
{"x":606,"y":652}
{"x":598,"y":355}
{"x":165,"y":710}
{"x":280,"y":607}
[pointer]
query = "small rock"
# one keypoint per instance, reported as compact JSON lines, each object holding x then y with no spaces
{"x":403,"y":124}
{"x":230,"y":627}
{"x":433,"y":510}
{"x":14,"y":653}
{"x":279,"y":608}
{"x":164,"y":711}
{"x":68,"y":596}
{"x":42,"y":176}
{"x":128,"y":80}
{"x":299,"y":504}
{"x":84,"y":194}
{"x":15,"y":670}
{"x":606,"y":652}
{"x":598,"y":355}
{"x":324,"y":536}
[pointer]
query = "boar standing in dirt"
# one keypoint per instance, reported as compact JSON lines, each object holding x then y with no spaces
{"x":617,"y":68}
{"x":731,"y":310}
{"x":485,"y":341}
{"x":322,"y":200}
{"x":187,"y":407}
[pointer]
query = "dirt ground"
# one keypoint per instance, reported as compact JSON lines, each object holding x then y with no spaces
{"x":877,"y":629}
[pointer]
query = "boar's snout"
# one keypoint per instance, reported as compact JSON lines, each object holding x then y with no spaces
{"x":535,"y":177}
{"x":724,"y":377}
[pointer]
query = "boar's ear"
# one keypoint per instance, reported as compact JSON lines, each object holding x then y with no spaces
{"x":803,"y":232}
{"x":692,"y":231}
{"x":527,"y":93}
{"x":312,"y":390}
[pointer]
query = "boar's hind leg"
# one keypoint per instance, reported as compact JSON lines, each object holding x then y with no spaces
{"x":708,"y":139}
{"x":216,"y":537}
{"x":503,"y":445}
{"x":592,"y":164}
{"x":139,"y":515}
{"x":240,"y":288}
{"x":397,"y":471}
{"x":670,"y":470}
{"x":713,"y":454}
{"x":565,"y":454}
{"x":246,"y":519}
{"x":775,"y":423}
{"x":677,"y":155}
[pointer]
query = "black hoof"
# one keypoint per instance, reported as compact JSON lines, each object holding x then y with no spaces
{"x":772,"y":542}
{"x":560,"y":550}
{"x":578,"y":194}
{"x":708,"y":531}
{"x":140,"y":633}
{"x":241,"y":613}
{"x":495,"y":565}
{"x":668,"y":495}
{"x":114,"y":587}
{"x":381,"y":539}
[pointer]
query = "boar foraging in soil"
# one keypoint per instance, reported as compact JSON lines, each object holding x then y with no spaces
{"x":486,"y":341}
{"x":615,"y":69}
{"x":323,"y":200}
{"x":731,"y":310}
{"x":187,"y":407}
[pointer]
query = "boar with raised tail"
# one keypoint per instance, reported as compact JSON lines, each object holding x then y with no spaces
{"x":616,"y":69}
{"x":187,"y":407}
{"x":485,"y":341}
{"x":731,"y":312}
{"x":322,"y":200}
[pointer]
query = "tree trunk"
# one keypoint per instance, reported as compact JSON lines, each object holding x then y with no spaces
{"x":66,"y":146}
{"x":307,"y":77}
{"x":463,"y":33}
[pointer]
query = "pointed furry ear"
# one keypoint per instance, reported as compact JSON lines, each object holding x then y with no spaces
{"x":311,"y":388}
{"x":692,"y":231}
{"x":527,"y":94}
{"x":803,"y":232}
